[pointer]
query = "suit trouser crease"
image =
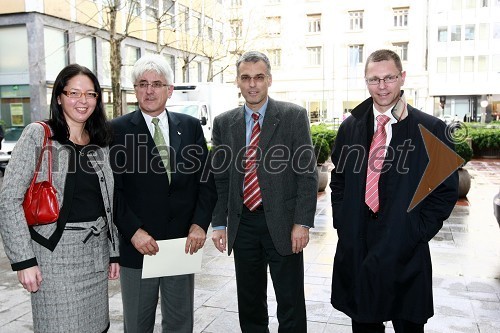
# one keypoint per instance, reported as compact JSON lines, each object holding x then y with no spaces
{"x":140,"y":300}
{"x":254,"y":251}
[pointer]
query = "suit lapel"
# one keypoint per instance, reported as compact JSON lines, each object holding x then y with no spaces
{"x":174,"y":133}
{"x":238,"y":127}
{"x":271,"y":121}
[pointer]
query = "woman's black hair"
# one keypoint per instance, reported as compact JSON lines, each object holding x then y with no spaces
{"x":96,"y":125}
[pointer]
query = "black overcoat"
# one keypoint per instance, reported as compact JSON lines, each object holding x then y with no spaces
{"x":382,"y":268}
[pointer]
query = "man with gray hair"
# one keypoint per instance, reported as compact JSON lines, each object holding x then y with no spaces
{"x":158,"y":158}
{"x":265,"y":173}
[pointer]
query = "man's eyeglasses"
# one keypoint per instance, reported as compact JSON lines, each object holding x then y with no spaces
{"x":78,"y":94}
{"x":257,"y":78}
{"x":376,"y":81}
{"x":154,"y":85}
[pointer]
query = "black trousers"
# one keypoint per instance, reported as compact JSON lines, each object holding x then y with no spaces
{"x":400,"y":326}
{"x":254,"y":251}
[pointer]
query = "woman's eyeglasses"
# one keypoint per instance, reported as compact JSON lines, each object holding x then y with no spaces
{"x":78,"y":94}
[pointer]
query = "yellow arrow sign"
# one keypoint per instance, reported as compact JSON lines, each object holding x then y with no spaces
{"x":443,"y":161}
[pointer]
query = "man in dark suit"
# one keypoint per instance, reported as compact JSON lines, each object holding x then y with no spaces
{"x":265,"y":173}
{"x":162,"y":193}
{"x":382,"y":268}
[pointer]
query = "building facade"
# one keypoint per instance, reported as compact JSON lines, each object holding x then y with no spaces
{"x":464,"y":58}
{"x":450,"y":49}
{"x":39,"y":38}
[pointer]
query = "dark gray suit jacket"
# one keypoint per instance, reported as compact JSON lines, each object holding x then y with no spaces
{"x":286,"y":171}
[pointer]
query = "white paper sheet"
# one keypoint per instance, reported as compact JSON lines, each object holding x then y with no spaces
{"x":171,"y":260}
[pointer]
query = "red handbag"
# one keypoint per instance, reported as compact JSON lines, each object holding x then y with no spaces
{"x":40,"y":201}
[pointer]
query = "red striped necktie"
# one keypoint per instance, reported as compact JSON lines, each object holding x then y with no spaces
{"x":252,"y":197}
{"x":375,"y":162}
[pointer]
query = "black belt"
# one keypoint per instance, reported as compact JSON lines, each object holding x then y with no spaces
{"x":258,"y":209}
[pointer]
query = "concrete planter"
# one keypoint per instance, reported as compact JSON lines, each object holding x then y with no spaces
{"x":463,"y":182}
{"x":322,"y":177}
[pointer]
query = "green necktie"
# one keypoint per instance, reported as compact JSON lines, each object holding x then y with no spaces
{"x":161,"y":146}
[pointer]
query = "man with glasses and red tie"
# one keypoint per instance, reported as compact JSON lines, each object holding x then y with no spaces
{"x":382,"y":268}
{"x":265,"y":173}
{"x":158,"y":158}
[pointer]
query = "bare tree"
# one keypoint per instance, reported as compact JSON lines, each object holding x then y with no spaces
{"x":111,"y":8}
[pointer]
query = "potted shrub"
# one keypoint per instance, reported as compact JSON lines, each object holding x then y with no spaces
{"x":463,"y":149}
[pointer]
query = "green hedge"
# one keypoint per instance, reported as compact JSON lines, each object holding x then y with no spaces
{"x":485,"y":140}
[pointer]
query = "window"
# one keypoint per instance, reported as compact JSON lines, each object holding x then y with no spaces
{"x":152,"y":9}
{"x":456,"y":4}
{"x":482,"y":63}
{"x":104,"y":63}
{"x":456,"y":33}
{"x":484,"y":31}
{"x":85,"y":52}
{"x":132,"y":54}
{"x":356,"y":20}
{"x":469,"y":32}
{"x":235,"y":3}
{"x":184,"y":17}
{"x":209,"y":22}
{"x":442,"y":34}
{"x":469,"y":64}
{"x":496,"y":30}
{"x":15,"y":59}
{"x":495,"y":63}
{"x":274,"y":57}
{"x":400,"y":17}
{"x":135,"y":7}
{"x":355,"y":54}
{"x":200,"y":71}
{"x":273,"y":25}
{"x":442,"y":63}
{"x":314,"y":23}
{"x":169,"y":12}
{"x":218,"y":27}
{"x":236,"y":28}
{"x":314,"y":55}
{"x":171,"y":62}
{"x":402,"y":50}
{"x":455,"y":64}
{"x":55,"y":51}
{"x":196,"y":29}
{"x":470,"y":4}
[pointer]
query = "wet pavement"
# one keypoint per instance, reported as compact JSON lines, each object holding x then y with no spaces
{"x":466,"y":262}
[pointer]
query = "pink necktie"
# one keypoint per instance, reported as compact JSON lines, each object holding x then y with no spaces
{"x":375,"y":162}
{"x":252,"y":197}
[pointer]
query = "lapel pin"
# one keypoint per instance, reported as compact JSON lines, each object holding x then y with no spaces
{"x":178,"y":132}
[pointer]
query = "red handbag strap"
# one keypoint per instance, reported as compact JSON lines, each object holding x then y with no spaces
{"x":46,"y":143}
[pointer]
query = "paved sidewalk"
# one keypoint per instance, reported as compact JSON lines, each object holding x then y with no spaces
{"x":465,"y":253}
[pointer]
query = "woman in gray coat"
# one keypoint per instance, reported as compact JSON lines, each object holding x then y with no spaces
{"x":65,"y":265}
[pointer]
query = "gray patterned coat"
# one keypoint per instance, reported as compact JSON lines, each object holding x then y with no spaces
{"x":16,"y":235}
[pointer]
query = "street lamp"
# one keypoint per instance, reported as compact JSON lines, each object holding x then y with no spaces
{"x":484,"y":104}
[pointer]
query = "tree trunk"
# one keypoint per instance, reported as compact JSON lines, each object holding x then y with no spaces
{"x":116,"y":65}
